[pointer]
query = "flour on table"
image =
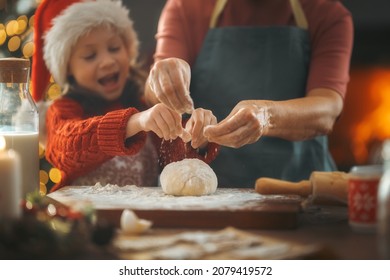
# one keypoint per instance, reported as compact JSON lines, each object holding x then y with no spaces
{"x":152,"y":198}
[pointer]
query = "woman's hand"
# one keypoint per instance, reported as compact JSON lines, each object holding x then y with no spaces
{"x":168,"y":83}
{"x":244,"y":125}
{"x":199,"y":119}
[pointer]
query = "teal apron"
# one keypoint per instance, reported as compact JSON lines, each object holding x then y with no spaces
{"x":241,"y":63}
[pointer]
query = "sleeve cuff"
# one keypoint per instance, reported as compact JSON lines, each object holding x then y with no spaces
{"x":112,"y":131}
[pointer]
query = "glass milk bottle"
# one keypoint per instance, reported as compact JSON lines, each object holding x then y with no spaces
{"x":383,"y":210}
{"x":19,"y":120}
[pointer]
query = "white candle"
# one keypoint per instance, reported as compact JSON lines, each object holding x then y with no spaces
{"x":26,"y":144}
{"x":10,"y":183}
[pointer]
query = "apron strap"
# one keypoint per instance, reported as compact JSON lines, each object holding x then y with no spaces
{"x":296,"y":7}
{"x":299,"y":15}
{"x":218,"y":8}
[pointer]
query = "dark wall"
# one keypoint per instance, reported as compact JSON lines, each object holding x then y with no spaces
{"x":369,"y":13}
{"x":372,"y":31}
{"x":145,"y":15}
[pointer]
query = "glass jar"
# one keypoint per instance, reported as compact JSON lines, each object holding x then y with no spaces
{"x":19,"y":121}
{"x":383,"y":211}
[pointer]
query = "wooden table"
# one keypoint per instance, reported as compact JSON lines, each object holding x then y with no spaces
{"x":335,"y":239}
{"x":323,"y":226}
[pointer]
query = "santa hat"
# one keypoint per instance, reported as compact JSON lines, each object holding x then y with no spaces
{"x":58,"y":25}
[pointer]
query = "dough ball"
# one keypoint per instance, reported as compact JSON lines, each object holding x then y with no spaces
{"x":188,"y":177}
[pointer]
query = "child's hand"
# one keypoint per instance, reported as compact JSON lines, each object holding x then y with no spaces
{"x":163,"y":121}
{"x":200,"y":118}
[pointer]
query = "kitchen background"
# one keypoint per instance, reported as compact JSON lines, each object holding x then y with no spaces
{"x":365,"y":122}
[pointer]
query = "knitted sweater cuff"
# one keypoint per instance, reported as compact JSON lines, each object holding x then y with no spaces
{"x":112,"y":132}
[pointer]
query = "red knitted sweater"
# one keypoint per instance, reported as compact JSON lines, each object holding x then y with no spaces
{"x":78,"y":143}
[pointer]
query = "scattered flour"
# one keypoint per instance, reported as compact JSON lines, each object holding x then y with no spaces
{"x":149,"y":198}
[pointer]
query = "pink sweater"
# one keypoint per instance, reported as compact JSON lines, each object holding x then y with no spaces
{"x":183,"y":26}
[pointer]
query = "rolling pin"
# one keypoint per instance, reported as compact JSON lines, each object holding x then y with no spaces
{"x":321,"y":188}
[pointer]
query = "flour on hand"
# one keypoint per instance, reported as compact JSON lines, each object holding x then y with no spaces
{"x":188,"y":177}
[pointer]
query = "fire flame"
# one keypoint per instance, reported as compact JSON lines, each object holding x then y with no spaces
{"x":365,"y":121}
{"x":376,"y":125}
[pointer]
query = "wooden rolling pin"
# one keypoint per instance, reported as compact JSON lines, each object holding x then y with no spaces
{"x":322,"y":187}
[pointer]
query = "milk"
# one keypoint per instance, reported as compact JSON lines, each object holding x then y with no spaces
{"x":26,"y":145}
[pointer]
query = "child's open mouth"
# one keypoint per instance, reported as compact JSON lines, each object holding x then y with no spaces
{"x":109,"y":80}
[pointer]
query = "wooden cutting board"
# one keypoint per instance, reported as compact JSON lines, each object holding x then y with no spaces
{"x":237,"y":207}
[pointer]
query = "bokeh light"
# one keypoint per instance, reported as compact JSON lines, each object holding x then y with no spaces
{"x":14,"y":43}
{"x":55,"y":175}
{"x":54,"y":91}
{"x":43,"y":177}
{"x":42,"y":189}
{"x":12,"y":27}
{"x":28,"y":49}
{"x":22,"y":24}
{"x":3,"y":34}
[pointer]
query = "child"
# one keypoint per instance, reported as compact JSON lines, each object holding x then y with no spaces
{"x":97,"y":131}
